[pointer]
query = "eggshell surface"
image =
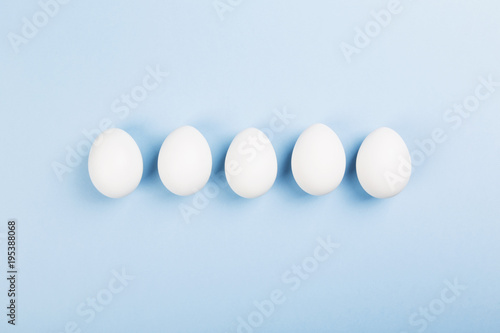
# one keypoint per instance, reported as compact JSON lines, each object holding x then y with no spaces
{"x":251,"y":165}
{"x":115,"y":163}
{"x":185,"y":161}
{"x":383,"y":164}
{"x":318,"y":160}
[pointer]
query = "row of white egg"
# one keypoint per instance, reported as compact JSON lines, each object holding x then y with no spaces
{"x":318,"y":162}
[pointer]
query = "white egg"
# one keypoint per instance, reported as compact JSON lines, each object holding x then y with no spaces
{"x":318,"y":160}
{"x":115,"y":163}
{"x":251,"y":165}
{"x":185,"y":161}
{"x":383,"y":164}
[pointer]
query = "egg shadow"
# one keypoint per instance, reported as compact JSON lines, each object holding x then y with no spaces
{"x":219,"y":143}
{"x":219,"y":176}
{"x":352,"y":184}
{"x":81,"y":185}
{"x":220,"y":157}
{"x":285,"y":179}
{"x":150,"y":145}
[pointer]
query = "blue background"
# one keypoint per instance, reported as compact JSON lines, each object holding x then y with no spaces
{"x":224,"y":76}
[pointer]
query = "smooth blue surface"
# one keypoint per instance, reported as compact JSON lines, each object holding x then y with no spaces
{"x":224,"y":76}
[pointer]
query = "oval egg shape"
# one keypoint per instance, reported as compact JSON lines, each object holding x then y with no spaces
{"x":383,"y":164}
{"x":251,"y":165}
{"x":185,"y":161}
{"x":115,"y":163}
{"x":318,"y":160}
